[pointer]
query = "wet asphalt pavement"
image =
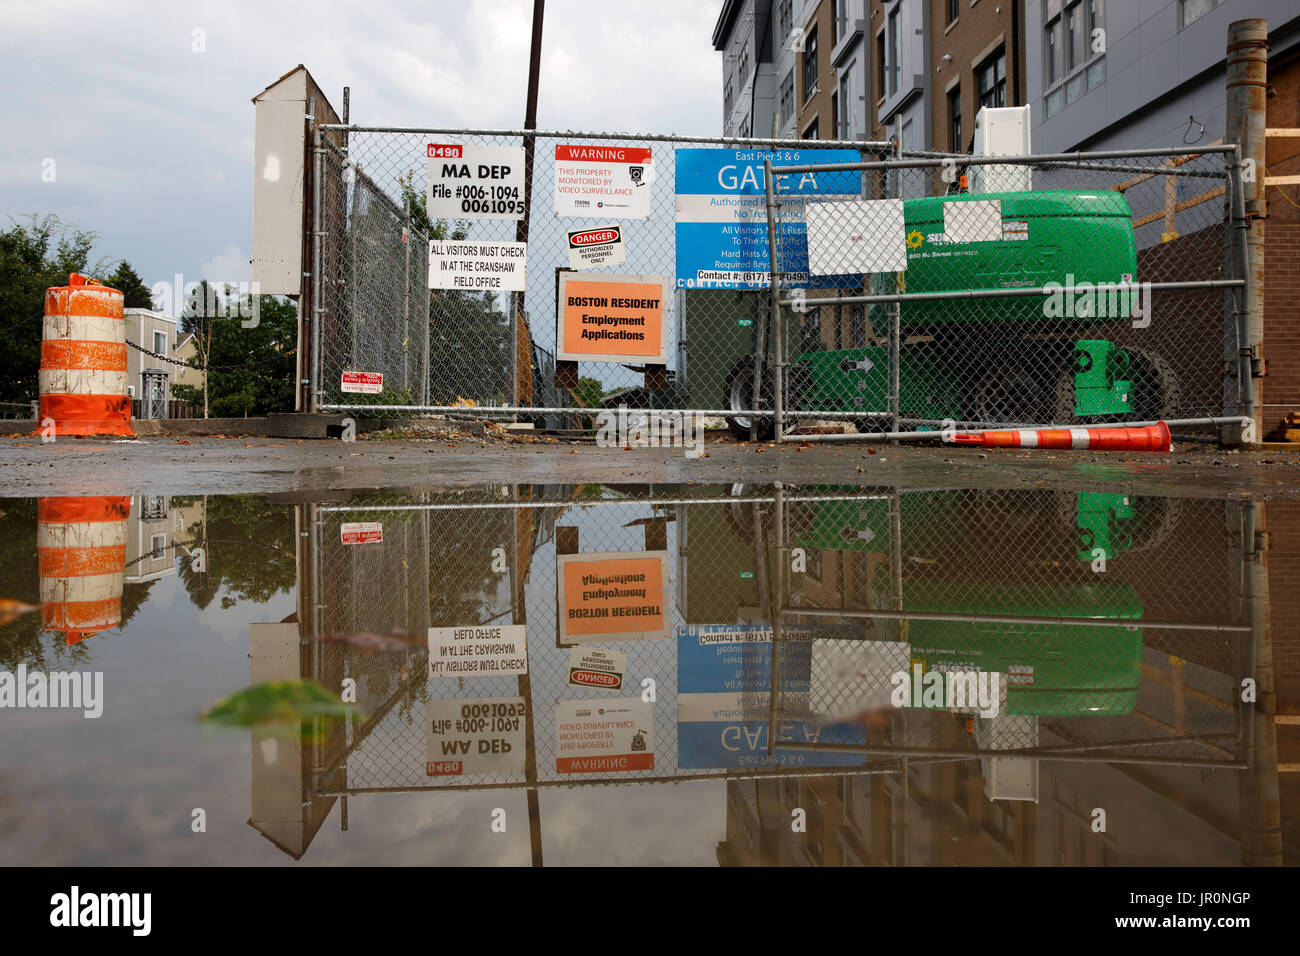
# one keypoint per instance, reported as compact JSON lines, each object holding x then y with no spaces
{"x":194,"y":465}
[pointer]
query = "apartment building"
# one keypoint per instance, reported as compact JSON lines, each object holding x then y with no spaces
{"x":744,"y":37}
{"x":1103,"y":74}
{"x":976,"y":59}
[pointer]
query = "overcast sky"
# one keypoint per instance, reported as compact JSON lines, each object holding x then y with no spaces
{"x":152,"y":141}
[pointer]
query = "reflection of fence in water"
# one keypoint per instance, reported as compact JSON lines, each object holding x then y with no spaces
{"x":1009,"y":568}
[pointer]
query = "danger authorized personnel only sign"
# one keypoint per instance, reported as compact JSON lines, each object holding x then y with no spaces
{"x":612,"y":318}
{"x":371,"y":383}
{"x":599,"y":181}
{"x":612,"y":596}
{"x":603,"y":736}
{"x":478,"y":650}
{"x":361,"y":532}
{"x":597,"y":667}
{"x":589,"y":248}
{"x":472,"y":737}
{"x":475,"y":182}
{"x":478,"y":266}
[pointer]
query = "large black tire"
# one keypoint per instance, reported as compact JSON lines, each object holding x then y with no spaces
{"x":738,"y":394}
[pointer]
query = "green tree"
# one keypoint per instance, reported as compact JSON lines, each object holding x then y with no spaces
{"x":33,"y":257}
{"x":127,"y":281}
{"x":250,"y":550}
{"x":250,"y":363}
{"x":469,"y":339}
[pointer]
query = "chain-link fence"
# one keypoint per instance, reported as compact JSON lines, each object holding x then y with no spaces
{"x":913,"y":290}
{"x":572,"y":635}
{"x":693,"y":217}
{"x":1082,"y":289}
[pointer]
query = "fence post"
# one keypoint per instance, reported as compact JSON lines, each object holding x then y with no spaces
{"x":317,"y":310}
{"x":406,"y":292}
{"x":778,"y":339}
{"x":1247,"y":81}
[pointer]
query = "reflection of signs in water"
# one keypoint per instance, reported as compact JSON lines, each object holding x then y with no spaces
{"x":636,"y":173}
{"x":638,"y":740}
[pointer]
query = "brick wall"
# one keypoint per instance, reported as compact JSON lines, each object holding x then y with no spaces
{"x":1282,"y":251}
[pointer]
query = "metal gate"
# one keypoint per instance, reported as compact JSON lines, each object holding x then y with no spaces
{"x":981,"y":321}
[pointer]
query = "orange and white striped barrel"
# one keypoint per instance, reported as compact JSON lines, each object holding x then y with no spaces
{"x":83,"y":360}
{"x":81,"y":555}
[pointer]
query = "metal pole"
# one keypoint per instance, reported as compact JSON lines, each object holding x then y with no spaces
{"x":778,"y":349}
{"x":1247,"y":85}
{"x":1134,"y":624}
{"x":778,"y":630}
{"x":317,"y":310}
{"x":521,"y":229}
{"x":1259,"y":796}
{"x":406,"y":291}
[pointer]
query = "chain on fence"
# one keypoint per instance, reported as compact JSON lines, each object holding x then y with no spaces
{"x":936,"y":266}
{"x":1116,"y":627}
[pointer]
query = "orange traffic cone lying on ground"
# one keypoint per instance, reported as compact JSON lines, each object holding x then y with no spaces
{"x":1151,"y":438}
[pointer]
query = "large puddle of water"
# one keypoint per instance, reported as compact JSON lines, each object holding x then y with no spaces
{"x":600,"y":674}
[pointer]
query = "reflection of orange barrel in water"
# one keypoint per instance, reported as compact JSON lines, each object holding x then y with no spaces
{"x":81,"y":552}
{"x":83,"y":360}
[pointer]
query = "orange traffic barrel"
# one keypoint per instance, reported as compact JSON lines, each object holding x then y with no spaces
{"x":81,"y":556}
{"x":1116,"y":438}
{"x":83,"y":360}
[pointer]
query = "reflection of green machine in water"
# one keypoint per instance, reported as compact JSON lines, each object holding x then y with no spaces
{"x":1015,"y":359}
{"x":1049,"y":668}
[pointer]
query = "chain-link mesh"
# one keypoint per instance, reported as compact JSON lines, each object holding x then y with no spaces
{"x":1116,"y":626}
{"x":991,"y":349}
{"x":1010,"y":293}
{"x":499,"y":348}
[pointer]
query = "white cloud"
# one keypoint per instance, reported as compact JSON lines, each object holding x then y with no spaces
{"x":231,"y":265}
{"x":154,"y":142}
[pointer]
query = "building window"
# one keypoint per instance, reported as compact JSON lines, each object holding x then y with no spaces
{"x":892,"y":63}
{"x":787,"y":97}
{"x":992,"y":78}
{"x":728,"y":99}
{"x":810,"y":131}
{"x":784,"y":18}
{"x":160,"y":342}
{"x":1072,"y":54}
{"x":743,"y":72}
{"x":954,"y":8}
{"x":954,"y":120}
{"x":1190,"y":10}
{"x":880,"y":65}
{"x":810,"y":64}
{"x":837,"y":131}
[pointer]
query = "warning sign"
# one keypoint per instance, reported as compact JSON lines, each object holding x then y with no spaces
{"x":477,"y":650}
{"x":475,"y":182}
{"x":589,"y":248}
{"x":464,"y":737}
{"x":603,"y":181}
{"x":372,"y":383}
{"x":362,"y":532}
{"x":595,"y":736}
{"x":478,"y":266}
{"x":616,"y":596}
{"x":613,"y":319}
{"x":595,"y":667}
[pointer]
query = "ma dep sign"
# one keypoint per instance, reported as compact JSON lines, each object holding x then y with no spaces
{"x":615,"y":318}
{"x":612,"y":596}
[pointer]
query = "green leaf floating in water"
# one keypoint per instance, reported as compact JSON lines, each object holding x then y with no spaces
{"x":279,"y":708}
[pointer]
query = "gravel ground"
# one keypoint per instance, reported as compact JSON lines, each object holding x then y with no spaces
{"x":215,"y":465}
